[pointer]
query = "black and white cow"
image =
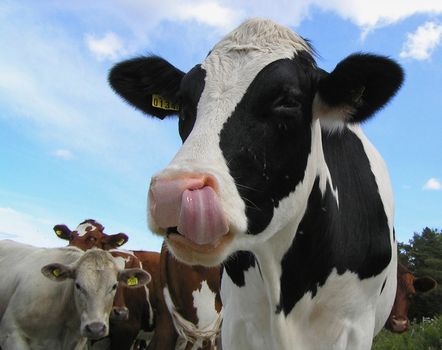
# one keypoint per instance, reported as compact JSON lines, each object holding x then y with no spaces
{"x":276,"y":180}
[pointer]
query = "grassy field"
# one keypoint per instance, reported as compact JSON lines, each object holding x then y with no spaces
{"x":426,"y":335}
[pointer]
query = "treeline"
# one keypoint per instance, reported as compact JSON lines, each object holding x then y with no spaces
{"x":423,"y":257}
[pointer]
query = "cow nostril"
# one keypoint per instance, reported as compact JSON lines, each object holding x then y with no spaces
{"x":172,"y":230}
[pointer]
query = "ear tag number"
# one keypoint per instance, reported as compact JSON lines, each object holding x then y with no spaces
{"x":132,"y":281}
{"x":120,"y":241}
{"x":56,"y":272}
{"x":161,"y":103}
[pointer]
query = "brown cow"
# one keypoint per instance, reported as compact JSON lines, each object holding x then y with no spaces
{"x":133,"y":309}
{"x":88,"y":234}
{"x":191,"y":295}
{"x":407,"y":287}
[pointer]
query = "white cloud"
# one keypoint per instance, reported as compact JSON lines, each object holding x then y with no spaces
{"x":63,"y":154}
{"x":142,"y":18}
{"x":433,"y":184}
{"x":110,"y":46}
{"x":25,"y":228}
{"x":209,"y":13}
{"x":376,"y":13}
{"x":367,"y":15}
{"x":422,"y":42}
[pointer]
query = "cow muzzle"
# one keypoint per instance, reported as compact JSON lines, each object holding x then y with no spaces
{"x":95,"y":330}
{"x":119,"y":314}
{"x":399,"y":324}
{"x":188,"y":211}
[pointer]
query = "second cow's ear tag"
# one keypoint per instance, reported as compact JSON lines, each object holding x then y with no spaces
{"x":56,"y":272}
{"x":59,"y":233}
{"x":121,"y":241}
{"x":161,"y":103}
{"x":132,"y":281}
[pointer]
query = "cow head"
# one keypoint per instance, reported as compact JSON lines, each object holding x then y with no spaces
{"x":250,"y":120}
{"x":88,"y":234}
{"x":407,"y":287}
{"x":95,"y":277}
{"x":120,"y":312}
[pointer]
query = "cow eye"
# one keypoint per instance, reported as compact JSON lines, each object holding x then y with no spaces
{"x":77,"y":286}
{"x":91,"y":239}
{"x":286,"y":102}
{"x":113,"y":288}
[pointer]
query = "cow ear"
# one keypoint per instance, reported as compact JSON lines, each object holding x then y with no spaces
{"x":57,"y":272}
{"x":117,"y":240}
{"x":63,"y":232}
{"x":357,"y":88}
{"x":133,"y":278}
{"x":151,"y":84}
{"x":424,"y":284}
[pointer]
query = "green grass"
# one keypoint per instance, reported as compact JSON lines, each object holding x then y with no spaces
{"x":426,"y":335}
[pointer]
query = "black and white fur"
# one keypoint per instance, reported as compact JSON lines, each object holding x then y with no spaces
{"x":312,"y":263}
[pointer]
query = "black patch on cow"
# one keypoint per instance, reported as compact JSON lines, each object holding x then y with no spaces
{"x":237,"y":264}
{"x":192,"y":86}
{"x":383,"y":285}
{"x":352,"y":237}
{"x":266,"y":141}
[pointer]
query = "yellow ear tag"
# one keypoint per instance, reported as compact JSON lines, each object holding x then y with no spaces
{"x":56,"y":272}
{"x":59,"y":233}
{"x":132,"y":281}
{"x":159,"y":102}
{"x":121,"y":241}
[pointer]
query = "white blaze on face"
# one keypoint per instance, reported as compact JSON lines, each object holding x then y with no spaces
{"x":83,"y":228}
{"x":204,"y":303}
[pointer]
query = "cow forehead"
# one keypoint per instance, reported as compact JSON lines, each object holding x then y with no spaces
{"x":83,"y":228}
{"x":240,"y":56}
{"x":260,"y":35}
{"x":406,"y":282}
{"x":96,"y":267}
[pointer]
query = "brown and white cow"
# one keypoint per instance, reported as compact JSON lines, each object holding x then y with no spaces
{"x":88,"y":234}
{"x":194,"y":310}
{"x":135,"y":310}
{"x":407,"y":287}
{"x":132,"y":310}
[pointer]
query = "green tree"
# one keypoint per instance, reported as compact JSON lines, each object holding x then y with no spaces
{"x":423,"y":256}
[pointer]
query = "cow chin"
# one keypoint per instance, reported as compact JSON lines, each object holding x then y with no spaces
{"x":190,"y":253}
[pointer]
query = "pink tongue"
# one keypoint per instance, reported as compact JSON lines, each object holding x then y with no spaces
{"x":201,"y":218}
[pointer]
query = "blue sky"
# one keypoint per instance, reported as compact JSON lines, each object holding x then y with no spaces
{"x":70,"y":149}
